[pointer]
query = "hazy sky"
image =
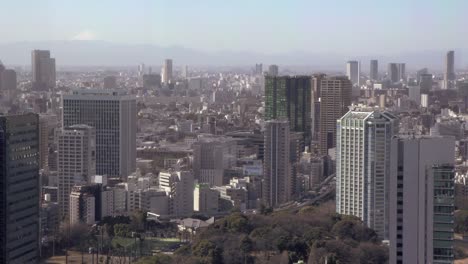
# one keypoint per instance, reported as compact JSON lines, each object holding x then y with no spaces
{"x":270,"y":26}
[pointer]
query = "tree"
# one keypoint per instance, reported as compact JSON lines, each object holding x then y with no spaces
{"x":122,"y":230}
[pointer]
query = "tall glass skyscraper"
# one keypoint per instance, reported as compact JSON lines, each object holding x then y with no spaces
{"x":19,"y":188}
{"x":290,"y":97}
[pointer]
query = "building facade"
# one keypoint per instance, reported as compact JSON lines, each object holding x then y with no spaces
{"x":20,"y":189}
{"x":363,"y":166}
{"x":113,"y":115}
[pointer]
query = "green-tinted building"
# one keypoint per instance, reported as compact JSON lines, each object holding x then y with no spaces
{"x":290,"y":97}
{"x":444,"y":207}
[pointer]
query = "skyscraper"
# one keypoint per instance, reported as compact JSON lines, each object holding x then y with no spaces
{"x":290,"y":98}
{"x":449,"y":75}
{"x":76,"y":161}
{"x":278,"y":182}
{"x":393,"y":73}
{"x":167,"y":71}
{"x":315,"y":108}
{"x":421,"y":200}
{"x":363,"y":166}
{"x":401,"y":71}
{"x":258,"y":69}
{"x":179,"y":186}
{"x":374,"y":70}
{"x":211,"y":156}
{"x":353,"y":72}
{"x":425,"y":82}
{"x":19,"y":183}
{"x":334,"y":101}
{"x":113,"y":115}
{"x":273,"y":70}
{"x":43,"y":70}
{"x":8,"y":80}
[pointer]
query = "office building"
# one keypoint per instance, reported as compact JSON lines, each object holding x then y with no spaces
{"x":20,"y":189}
{"x":353,"y":72}
{"x":113,"y":115}
{"x":273,"y":70}
{"x":277,"y":183}
{"x":167,"y":71}
{"x":76,"y":161}
{"x":393,"y":72}
{"x":205,"y":199}
{"x":44,"y":142}
{"x":449,"y":75}
{"x":258,"y":69}
{"x":290,"y":98}
{"x":43,"y":70}
{"x":374,"y":70}
{"x":414,"y":94}
{"x":179,"y":186}
{"x":419,"y":73}
{"x":8,"y":80}
{"x":110,"y":82}
{"x":211,"y":157}
{"x":425,"y":82}
{"x":401,"y":72}
{"x":315,"y":108}
{"x":362,"y":166}
{"x":334,"y":102}
{"x":82,"y":207}
{"x":421,"y":200}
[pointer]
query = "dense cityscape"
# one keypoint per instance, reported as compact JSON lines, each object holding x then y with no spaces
{"x":169,"y":162}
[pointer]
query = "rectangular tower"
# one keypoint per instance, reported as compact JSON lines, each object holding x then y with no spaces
{"x":76,"y":161}
{"x":334,"y":102}
{"x":374,"y":70}
{"x":113,"y":115}
{"x":421,"y":200}
{"x":363,"y":166}
{"x":19,"y":189}
{"x":290,"y":98}
{"x":278,"y":182}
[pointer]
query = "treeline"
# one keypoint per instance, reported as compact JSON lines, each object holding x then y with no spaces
{"x":313,"y":235}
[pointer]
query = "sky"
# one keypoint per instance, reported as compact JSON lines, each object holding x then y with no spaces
{"x":266,"y":26}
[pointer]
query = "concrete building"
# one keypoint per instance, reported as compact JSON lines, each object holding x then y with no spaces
{"x":43,"y":70}
{"x":211,"y":157}
{"x":277,"y":182}
{"x":414,"y":94}
{"x":334,"y":102}
{"x":167,"y":71}
{"x":76,"y":161}
{"x":8,"y":80}
{"x":425,"y":83}
{"x":19,"y":188}
{"x":273,"y":70}
{"x":179,"y":186}
{"x":353,"y":72}
{"x":421,"y":200}
{"x":116,"y":140}
{"x":449,"y":75}
{"x":205,"y":199}
{"x":82,"y":207}
{"x":363,"y":166}
{"x":374,"y":70}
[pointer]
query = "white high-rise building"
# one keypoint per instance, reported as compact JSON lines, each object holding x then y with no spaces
{"x":76,"y":161}
{"x":421,"y":200}
{"x":179,"y":187}
{"x":363,"y":166}
{"x":113,"y":115}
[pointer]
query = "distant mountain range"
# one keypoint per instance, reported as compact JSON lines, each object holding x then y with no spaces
{"x":102,"y":53}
